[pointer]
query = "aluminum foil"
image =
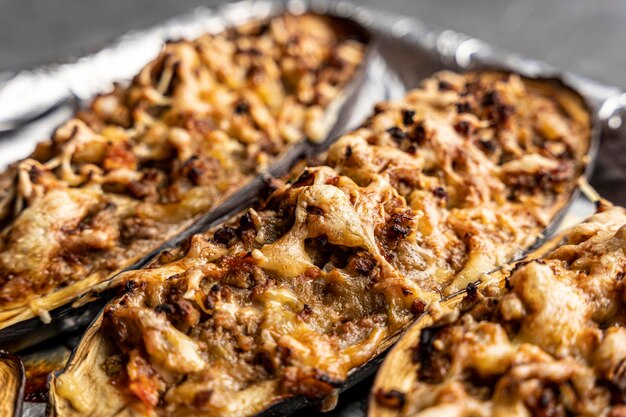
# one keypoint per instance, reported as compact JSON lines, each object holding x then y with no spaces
{"x":33,"y":103}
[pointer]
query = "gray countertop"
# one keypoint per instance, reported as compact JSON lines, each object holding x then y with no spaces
{"x":585,"y":36}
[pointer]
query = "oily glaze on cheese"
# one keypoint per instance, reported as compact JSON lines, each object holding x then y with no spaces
{"x":551,"y":342}
{"x":287,"y":299}
{"x":141,"y":163}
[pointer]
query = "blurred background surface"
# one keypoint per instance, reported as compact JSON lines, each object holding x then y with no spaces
{"x":585,"y":36}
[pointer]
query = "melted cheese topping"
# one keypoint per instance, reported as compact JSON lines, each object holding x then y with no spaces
{"x":553,"y":343}
{"x":433,"y":191}
{"x":142,"y":162}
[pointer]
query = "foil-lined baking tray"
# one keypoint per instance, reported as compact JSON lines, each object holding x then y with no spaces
{"x":405,"y":51}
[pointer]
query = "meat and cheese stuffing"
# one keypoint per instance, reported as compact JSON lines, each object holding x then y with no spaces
{"x":550,"y":343}
{"x":140,"y":163}
{"x":461,"y":175}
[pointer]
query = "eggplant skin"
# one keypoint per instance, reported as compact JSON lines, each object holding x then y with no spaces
{"x":315,"y":281}
{"x":140,"y":164}
{"x":12,"y":381}
{"x":91,"y":386}
{"x":546,"y":337}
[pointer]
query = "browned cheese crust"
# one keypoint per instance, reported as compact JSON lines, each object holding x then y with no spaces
{"x":140,"y":163}
{"x":461,"y":175}
{"x":552,"y":342}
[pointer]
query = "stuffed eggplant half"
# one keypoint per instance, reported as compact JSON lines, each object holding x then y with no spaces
{"x":144,"y":161}
{"x":289,"y":298}
{"x":546,"y":339}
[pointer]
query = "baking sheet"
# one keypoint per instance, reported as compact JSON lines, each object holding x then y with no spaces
{"x":408,"y":51}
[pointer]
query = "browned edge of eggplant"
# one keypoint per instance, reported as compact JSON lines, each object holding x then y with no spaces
{"x":69,"y":317}
{"x":12,"y":383}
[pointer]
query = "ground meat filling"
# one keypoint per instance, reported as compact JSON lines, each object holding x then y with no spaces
{"x":551,"y":342}
{"x":311,"y":283}
{"x":140,"y":163}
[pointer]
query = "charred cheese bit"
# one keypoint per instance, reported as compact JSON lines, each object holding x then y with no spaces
{"x":192,"y":127}
{"x":552,"y":342}
{"x":429,"y":194}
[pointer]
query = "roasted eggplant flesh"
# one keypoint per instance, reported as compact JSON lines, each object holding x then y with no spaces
{"x":285,"y":300}
{"x":549,"y":340}
{"x":11,"y":385}
{"x":142,"y":162}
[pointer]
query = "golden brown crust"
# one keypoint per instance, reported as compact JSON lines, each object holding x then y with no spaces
{"x":550,"y":343}
{"x":430,"y":193}
{"x":143,"y":161}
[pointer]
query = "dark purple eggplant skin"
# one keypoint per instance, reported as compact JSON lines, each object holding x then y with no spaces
{"x":19,"y":399}
{"x":290,"y":405}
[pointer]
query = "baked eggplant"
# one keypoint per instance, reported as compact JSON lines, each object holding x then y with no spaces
{"x":543,"y":338}
{"x":12,"y":381}
{"x":142,"y":163}
{"x":288,"y":299}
